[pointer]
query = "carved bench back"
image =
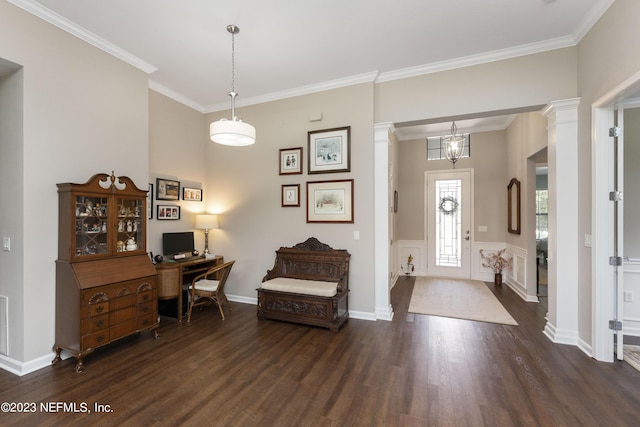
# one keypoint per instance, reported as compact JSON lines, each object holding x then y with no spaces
{"x":312,"y":260}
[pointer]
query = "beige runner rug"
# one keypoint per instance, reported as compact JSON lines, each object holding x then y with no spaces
{"x":459,"y":298}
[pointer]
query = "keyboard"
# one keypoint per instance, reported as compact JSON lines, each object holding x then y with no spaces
{"x":189,"y":258}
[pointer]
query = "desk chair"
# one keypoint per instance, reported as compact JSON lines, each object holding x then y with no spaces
{"x":208,"y":288}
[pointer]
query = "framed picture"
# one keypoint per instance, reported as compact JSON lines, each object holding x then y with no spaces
{"x":330,"y":150}
{"x":167,"y":189}
{"x":291,"y":195}
{"x":291,"y":161}
{"x":192,"y":194}
{"x":168,"y":212}
{"x":150,"y":202}
{"x":330,"y":201}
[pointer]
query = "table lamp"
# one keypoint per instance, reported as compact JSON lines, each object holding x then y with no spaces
{"x":206,"y":222}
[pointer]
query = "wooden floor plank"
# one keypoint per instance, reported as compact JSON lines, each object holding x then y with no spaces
{"x":415,"y":370}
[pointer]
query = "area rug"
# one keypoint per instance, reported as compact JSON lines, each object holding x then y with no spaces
{"x":631,"y":355}
{"x":461,"y":299}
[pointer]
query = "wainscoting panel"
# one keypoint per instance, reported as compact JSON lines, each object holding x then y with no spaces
{"x":418,"y":250}
{"x":478,"y":272}
{"x":515,"y":278}
{"x":631,"y":287}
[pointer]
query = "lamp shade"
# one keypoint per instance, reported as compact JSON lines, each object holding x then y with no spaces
{"x":232,"y":132}
{"x":206,"y":222}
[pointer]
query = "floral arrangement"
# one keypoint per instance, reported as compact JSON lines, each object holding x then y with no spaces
{"x":496,"y":261}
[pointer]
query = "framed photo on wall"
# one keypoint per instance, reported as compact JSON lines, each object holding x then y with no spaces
{"x":167,"y":189}
{"x":192,"y":194}
{"x":330,"y":150}
{"x":330,"y":201}
{"x":291,"y":195}
{"x":291,"y":161}
{"x":168,"y":212}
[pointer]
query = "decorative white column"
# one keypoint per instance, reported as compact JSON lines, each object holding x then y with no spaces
{"x":562,"y":150}
{"x":382,"y":241}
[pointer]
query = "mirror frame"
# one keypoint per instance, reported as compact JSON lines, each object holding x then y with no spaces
{"x":513,"y":195}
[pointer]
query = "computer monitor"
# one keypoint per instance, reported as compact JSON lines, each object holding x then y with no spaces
{"x":177,"y":243}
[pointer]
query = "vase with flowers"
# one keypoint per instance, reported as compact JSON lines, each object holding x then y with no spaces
{"x":408,"y":268}
{"x":497,"y":262}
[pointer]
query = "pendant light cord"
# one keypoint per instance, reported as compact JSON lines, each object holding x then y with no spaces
{"x":233,"y":30}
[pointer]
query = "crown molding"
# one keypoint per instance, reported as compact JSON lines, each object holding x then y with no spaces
{"x":483,"y":58}
{"x":153,"y":85}
{"x":64,"y":24}
{"x":595,"y":14}
{"x":303,"y":90}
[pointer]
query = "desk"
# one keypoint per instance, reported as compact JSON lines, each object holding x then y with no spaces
{"x":172,"y":275}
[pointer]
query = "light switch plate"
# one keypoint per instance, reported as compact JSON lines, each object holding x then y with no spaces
{"x":6,"y":244}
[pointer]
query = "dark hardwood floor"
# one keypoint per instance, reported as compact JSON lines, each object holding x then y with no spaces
{"x":414,"y":371}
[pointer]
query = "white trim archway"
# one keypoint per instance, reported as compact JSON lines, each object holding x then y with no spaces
{"x":562,"y":325}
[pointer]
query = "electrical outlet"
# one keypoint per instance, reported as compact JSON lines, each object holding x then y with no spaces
{"x":628,"y":296}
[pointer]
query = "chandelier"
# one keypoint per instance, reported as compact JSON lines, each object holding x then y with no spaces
{"x":453,"y":145}
{"x":232,"y":132}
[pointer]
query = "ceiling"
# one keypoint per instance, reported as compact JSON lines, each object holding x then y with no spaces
{"x":292,"y":47}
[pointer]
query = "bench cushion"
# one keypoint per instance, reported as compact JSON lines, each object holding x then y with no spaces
{"x":301,"y":286}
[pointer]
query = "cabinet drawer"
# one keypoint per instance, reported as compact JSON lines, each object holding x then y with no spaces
{"x":94,"y":324}
{"x":146,"y":296}
{"x":123,"y":315}
{"x":147,"y":321}
{"x":123,"y":329}
{"x":96,"y":339}
{"x":146,"y":308}
{"x":123,"y":301}
{"x":98,"y":309}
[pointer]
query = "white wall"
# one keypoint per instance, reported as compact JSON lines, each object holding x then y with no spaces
{"x":11,"y":205}
{"x":244,"y":187}
{"x":606,"y":58}
{"x":83,"y":112}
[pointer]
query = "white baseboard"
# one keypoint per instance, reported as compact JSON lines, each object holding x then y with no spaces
{"x":24,"y":368}
{"x":362,"y":315}
{"x":585,"y":347}
{"x":243,"y":300}
{"x":560,"y":336}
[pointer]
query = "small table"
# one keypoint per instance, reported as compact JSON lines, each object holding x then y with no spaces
{"x":173,"y":275}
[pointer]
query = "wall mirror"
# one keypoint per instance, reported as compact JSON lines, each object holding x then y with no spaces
{"x":513,"y":194}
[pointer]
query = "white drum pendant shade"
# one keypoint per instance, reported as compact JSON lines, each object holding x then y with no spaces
{"x":232,"y":132}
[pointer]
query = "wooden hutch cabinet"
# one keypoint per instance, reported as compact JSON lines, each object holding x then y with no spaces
{"x":105,"y":282}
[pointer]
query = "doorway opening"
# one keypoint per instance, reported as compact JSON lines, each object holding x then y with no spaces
{"x":542,"y":231}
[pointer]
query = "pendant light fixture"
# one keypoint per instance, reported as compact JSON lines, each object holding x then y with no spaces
{"x":453,"y":145}
{"x":232,"y":132}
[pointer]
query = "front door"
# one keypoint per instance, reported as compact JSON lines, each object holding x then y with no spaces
{"x":448,"y":223}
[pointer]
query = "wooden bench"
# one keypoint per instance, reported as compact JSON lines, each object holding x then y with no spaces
{"x":308,"y":284}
